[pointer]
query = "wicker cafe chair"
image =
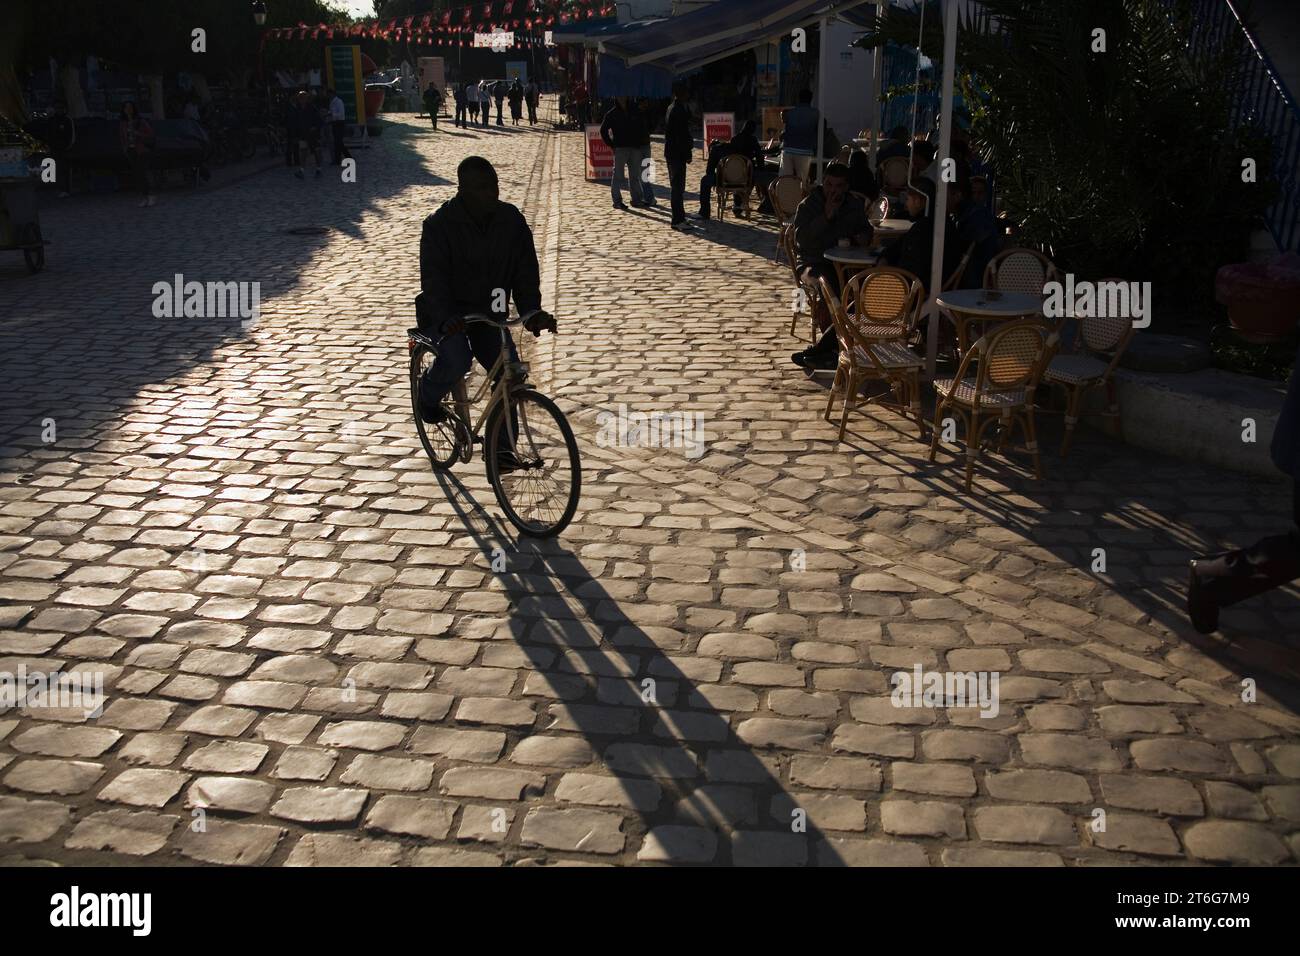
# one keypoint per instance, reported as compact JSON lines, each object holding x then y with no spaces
{"x":785,"y":194}
{"x":864,"y":359}
{"x":1020,"y":270}
{"x":884,"y":303}
{"x":1093,"y":356}
{"x":954,"y":281}
{"x":806,"y":291}
{"x":735,"y":181}
{"x":1011,"y":361}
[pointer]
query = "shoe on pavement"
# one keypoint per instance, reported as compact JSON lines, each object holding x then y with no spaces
{"x":814,"y":361}
{"x":142,"y":203}
{"x":683,"y":226}
{"x":1201,"y":609}
{"x":297,"y":174}
{"x":318,"y":172}
{"x":619,"y":205}
{"x":150,"y":201}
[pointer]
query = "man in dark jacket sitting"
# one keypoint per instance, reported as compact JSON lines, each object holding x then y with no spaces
{"x":475,"y":252}
{"x":745,"y":143}
{"x":913,"y":252}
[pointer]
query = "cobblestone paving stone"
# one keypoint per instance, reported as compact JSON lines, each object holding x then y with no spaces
{"x":314,"y":656}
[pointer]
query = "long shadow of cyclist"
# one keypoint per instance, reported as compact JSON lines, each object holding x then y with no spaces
{"x":677,"y":759}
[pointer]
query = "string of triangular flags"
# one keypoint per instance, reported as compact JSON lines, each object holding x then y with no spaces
{"x":458,"y":26}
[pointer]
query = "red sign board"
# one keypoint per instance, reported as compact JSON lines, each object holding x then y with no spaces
{"x":600,"y":158}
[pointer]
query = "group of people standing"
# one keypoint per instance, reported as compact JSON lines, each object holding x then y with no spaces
{"x":305,"y":119}
{"x":474,"y":101}
{"x":626,"y":130}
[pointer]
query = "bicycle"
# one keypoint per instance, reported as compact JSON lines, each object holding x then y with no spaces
{"x":528,"y":447}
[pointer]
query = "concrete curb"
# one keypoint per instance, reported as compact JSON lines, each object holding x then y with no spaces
{"x":1199,"y":416}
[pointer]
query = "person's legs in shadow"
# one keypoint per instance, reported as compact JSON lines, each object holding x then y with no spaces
{"x":1222,"y":580}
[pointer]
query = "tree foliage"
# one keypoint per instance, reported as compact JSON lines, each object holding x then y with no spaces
{"x":1120,"y":162}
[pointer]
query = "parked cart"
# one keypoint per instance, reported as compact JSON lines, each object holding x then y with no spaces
{"x":20,"y":225}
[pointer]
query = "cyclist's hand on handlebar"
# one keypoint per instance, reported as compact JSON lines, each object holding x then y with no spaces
{"x":539,"y":321}
{"x":453,"y":325}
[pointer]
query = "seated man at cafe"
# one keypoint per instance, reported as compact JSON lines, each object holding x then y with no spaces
{"x":896,"y":145}
{"x":744,"y":143}
{"x":860,"y":178}
{"x":975,"y":227}
{"x":913,"y":252}
{"x":827,"y":217}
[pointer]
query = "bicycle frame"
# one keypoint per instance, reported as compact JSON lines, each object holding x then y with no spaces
{"x":503,"y":376}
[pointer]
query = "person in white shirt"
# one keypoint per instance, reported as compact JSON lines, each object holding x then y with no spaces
{"x":338,"y":124}
{"x":485,"y":100}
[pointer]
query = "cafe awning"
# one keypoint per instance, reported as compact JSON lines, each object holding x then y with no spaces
{"x":724,"y":27}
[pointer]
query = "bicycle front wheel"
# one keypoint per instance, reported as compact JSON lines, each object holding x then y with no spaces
{"x":533,"y":464}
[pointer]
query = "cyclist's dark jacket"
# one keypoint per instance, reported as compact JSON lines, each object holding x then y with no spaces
{"x":462,"y":263}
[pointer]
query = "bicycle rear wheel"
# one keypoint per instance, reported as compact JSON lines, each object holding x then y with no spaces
{"x":539,"y":489}
{"x":441,"y":441}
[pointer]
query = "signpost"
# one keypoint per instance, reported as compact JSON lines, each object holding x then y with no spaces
{"x":343,"y":76}
{"x":600,"y":158}
{"x":718,"y":126}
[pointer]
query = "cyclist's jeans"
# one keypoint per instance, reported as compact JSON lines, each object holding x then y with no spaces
{"x":478,"y":341}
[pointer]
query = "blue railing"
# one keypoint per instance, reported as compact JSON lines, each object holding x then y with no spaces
{"x":1263,"y":101}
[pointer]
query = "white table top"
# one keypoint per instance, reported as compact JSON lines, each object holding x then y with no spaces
{"x":989,"y":302}
{"x":891,"y":228}
{"x":854,"y":254}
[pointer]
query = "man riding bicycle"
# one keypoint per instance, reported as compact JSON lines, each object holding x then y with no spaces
{"x":475,"y":253}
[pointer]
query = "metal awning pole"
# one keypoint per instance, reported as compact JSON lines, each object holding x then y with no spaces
{"x":877,"y":87}
{"x":941,"y":188}
{"x":822,"y":48}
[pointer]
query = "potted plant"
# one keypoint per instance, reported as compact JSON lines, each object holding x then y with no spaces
{"x":1263,"y":299}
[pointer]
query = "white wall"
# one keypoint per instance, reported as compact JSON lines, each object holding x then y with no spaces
{"x":846,"y":101}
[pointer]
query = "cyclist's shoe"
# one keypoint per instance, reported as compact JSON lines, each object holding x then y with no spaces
{"x":508,"y":461}
{"x":435,"y":415}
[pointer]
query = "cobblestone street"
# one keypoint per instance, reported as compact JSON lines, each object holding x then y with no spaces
{"x":318,"y":651}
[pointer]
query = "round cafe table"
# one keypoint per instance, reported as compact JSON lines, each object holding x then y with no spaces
{"x":850,"y":260}
{"x":971,"y":306}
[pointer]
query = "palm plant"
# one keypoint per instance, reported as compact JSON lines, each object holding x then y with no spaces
{"x":1117,"y":161}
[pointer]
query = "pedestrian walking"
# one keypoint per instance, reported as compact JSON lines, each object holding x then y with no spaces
{"x":516,"y":97}
{"x":302,"y":126}
{"x":433,"y":102}
{"x":1220,"y":580}
{"x":644,"y":161}
{"x":619,"y":131}
{"x":531,"y":96}
{"x":485,"y":101}
{"x":62,"y":136}
{"x":678,"y":146}
{"x":338,"y":125}
{"x":137,"y":138}
{"x":459,"y":95}
{"x":499,"y":94}
{"x":471,"y":103}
